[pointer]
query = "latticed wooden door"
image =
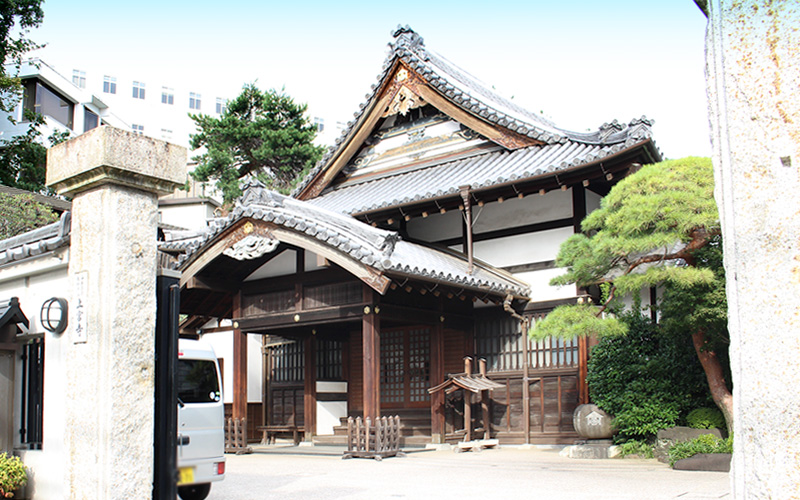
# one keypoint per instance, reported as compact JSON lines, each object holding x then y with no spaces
{"x":405,"y":367}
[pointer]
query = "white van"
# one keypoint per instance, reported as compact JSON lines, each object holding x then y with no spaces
{"x":201,"y":420}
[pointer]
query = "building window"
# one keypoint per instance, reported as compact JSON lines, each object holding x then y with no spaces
{"x":90,"y":120}
{"x":109,"y":85}
{"x":41,"y":99}
{"x":137,"y":129}
{"x":194,"y":101}
{"x":222,"y":106}
{"x":32,"y":394}
{"x":319,"y":124}
{"x":138,"y":90}
{"x":167,"y":95}
{"x":79,"y":78}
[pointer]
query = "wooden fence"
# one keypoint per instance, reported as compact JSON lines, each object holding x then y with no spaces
{"x":377,"y":440}
{"x":236,"y":436}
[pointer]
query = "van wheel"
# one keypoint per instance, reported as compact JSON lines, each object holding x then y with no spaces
{"x":194,"y":492}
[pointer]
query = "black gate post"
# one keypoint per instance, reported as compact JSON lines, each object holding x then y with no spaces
{"x":166,"y":397}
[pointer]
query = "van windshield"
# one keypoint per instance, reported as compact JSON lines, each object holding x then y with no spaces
{"x":197,"y":381}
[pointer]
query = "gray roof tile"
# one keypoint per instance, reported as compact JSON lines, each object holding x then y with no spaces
{"x":377,"y":248}
{"x":36,"y":242}
{"x":473,"y":96}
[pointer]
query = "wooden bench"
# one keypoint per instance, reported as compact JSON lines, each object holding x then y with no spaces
{"x":269,"y":432}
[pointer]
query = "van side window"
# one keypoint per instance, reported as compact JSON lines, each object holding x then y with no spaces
{"x":197,"y":381}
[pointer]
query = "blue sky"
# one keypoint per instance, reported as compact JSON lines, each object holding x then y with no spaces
{"x":581,"y":63}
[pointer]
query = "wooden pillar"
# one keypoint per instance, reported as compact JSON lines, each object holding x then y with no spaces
{"x":467,"y":402}
{"x":583,"y":370}
{"x":266,"y":381}
{"x":310,"y":388}
{"x":484,"y":403}
{"x":526,"y":385}
{"x":371,"y":350}
{"x":436,"y":378}
{"x":239,"y":363}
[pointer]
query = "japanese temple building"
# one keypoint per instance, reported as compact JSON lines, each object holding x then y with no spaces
{"x":427,"y":233}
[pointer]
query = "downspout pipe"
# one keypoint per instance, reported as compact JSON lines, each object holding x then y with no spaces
{"x":465,"y":195}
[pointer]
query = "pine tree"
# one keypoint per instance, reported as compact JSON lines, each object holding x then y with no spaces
{"x":655,"y":227}
{"x":264,"y":134}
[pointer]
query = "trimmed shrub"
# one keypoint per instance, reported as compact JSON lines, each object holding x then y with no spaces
{"x":707,"y":443}
{"x":705,"y":418}
{"x":647,"y":379}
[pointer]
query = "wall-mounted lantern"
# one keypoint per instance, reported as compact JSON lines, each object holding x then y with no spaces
{"x":54,"y":315}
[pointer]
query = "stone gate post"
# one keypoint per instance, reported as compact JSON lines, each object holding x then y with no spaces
{"x":753,"y":66}
{"x":114,"y":178}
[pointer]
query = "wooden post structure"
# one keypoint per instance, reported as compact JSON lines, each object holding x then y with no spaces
{"x":310,"y":387}
{"x":436,"y":378}
{"x":484,"y":401}
{"x":371,"y":350}
{"x":526,"y":388}
{"x":239,"y":363}
{"x":468,"y":402}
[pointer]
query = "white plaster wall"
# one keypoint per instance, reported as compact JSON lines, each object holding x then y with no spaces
{"x":516,"y":212}
{"x":189,"y":216}
{"x":46,"y":278}
{"x":436,"y":226}
{"x":522,"y":248}
{"x":540,"y":285}
{"x":282,"y":265}
{"x":592,"y":201}
{"x":222,"y":343}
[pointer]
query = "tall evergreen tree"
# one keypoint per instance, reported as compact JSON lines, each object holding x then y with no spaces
{"x":264,"y":134}
{"x":653,"y":228}
{"x":24,"y":15}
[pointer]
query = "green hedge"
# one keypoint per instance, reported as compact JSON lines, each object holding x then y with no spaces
{"x":648,"y":379}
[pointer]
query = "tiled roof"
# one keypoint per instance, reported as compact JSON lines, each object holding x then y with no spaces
{"x":10,"y":311}
{"x":36,"y":242}
{"x":475,"y":97}
{"x":377,"y":248}
{"x":480,"y":171}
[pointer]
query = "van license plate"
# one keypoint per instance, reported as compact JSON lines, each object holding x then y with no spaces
{"x":185,"y":475}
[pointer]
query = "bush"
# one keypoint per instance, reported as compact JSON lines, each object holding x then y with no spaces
{"x":706,"y":418}
{"x":635,"y":447}
{"x":647,"y":379}
{"x":707,"y":443}
{"x":12,"y":475}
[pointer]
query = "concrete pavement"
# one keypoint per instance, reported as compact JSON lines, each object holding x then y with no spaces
{"x":289,"y":472}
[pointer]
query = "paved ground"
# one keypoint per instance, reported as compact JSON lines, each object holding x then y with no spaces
{"x":319,"y":473}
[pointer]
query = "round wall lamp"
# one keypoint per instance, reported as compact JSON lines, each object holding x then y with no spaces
{"x":54,"y":315}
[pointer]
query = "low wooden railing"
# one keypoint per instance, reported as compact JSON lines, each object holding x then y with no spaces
{"x":236,"y":436}
{"x":368,"y":439}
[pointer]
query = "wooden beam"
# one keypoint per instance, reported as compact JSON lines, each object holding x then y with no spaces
{"x":371,"y":350}
{"x":293,"y":319}
{"x":310,"y":387}
{"x":239,"y":365}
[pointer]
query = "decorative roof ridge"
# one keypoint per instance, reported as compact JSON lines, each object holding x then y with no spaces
{"x":378,"y":248}
{"x":466,"y":92}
